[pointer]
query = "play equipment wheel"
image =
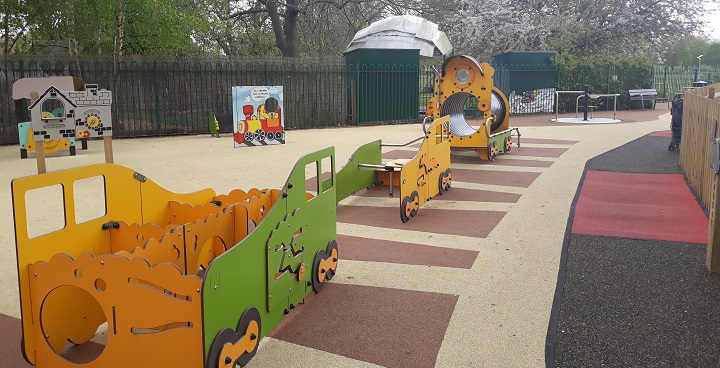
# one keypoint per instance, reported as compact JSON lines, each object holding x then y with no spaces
{"x":441,"y":183}
{"x":249,"y":137}
{"x":410,"y":206}
{"x":445,"y":181}
{"x":493,"y":151}
{"x":271,"y":136}
{"x":324,"y":265}
{"x":259,"y":135}
{"x":236,"y":347}
{"x":508,"y":144}
{"x":279,"y":135}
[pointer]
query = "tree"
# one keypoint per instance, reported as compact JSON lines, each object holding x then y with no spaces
{"x":573,"y":26}
{"x":104,"y":27}
{"x":285,"y":18}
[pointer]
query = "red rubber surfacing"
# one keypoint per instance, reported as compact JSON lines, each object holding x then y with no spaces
{"x":639,"y":206}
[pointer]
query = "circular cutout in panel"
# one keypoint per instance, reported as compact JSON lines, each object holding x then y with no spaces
{"x":100,"y":285}
{"x":464,"y":76}
{"x":69,"y":318}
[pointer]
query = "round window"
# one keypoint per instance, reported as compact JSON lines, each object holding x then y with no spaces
{"x":462,"y":76}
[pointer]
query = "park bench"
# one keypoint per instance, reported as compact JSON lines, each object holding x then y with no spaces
{"x":642,"y":95}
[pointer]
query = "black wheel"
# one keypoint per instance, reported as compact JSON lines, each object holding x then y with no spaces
{"x":442,"y":183}
{"x":410,"y":206}
{"x":324,"y":265}
{"x":279,"y":135}
{"x":248,"y":137}
{"x":259,"y":135}
{"x":248,"y":334}
{"x":271,"y":136}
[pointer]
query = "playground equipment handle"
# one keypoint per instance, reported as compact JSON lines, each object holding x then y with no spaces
{"x":402,"y":144}
{"x":487,"y":124}
{"x":425,"y":129}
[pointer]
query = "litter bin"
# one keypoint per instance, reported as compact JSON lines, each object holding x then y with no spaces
{"x":700,"y":84}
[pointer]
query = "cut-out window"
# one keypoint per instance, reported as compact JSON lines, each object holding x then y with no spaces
{"x":326,"y":166}
{"x":271,"y":105}
{"x":53,"y":105}
{"x":89,"y":199}
{"x":45,"y":210}
{"x":311,"y":179}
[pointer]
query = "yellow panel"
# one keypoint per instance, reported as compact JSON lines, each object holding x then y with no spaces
{"x":479,"y":84}
{"x":154,"y":314}
{"x":422,"y":173}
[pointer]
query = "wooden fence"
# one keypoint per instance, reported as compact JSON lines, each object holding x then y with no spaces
{"x":701,"y":107}
{"x":698,"y":114}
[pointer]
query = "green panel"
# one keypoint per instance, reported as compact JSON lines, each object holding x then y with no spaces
{"x":387,"y":83}
{"x":352,"y":178}
{"x":524,"y":71}
{"x":241,"y":277}
{"x":500,"y":140}
{"x":529,"y":58}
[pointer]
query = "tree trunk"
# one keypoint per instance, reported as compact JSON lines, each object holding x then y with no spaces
{"x":277,"y":25}
{"x":6,"y":27}
{"x":119,"y":36}
{"x":290,"y":29}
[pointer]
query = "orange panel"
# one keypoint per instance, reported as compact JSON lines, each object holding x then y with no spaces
{"x":170,"y":248}
{"x":154,"y":314}
{"x":208,"y":238}
{"x":128,"y":237}
{"x":180,"y":214}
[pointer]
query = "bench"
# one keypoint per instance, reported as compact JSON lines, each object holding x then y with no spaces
{"x":642,"y":95}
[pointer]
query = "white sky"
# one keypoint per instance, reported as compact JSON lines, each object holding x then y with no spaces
{"x":712,"y":19}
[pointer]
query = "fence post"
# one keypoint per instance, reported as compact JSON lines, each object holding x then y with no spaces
{"x":157,"y":97}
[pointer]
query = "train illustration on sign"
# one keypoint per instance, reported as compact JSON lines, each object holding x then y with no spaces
{"x":260,"y":126}
{"x":258,"y":115}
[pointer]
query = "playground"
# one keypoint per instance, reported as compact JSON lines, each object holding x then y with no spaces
{"x":469,"y":281}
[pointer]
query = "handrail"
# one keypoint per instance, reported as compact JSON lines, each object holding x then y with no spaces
{"x":425,"y":130}
{"x":487,"y":125}
{"x":402,"y":144}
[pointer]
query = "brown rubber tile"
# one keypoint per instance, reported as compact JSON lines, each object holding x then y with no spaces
{"x":10,"y":334}
{"x":545,"y":141}
{"x":454,"y":194}
{"x":373,"y":250}
{"x":477,"y":224}
{"x":398,"y":154}
{"x":389,"y":327}
{"x":538,"y":151}
{"x":11,"y":354}
{"x":506,"y":178}
{"x":468,"y":158}
{"x":472,"y":158}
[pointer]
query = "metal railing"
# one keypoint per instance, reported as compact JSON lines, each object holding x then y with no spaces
{"x":155,"y":97}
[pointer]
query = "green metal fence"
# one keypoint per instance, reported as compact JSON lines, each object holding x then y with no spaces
{"x":169,"y":96}
{"x":165,"y":97}
{"x":672,"y":81}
